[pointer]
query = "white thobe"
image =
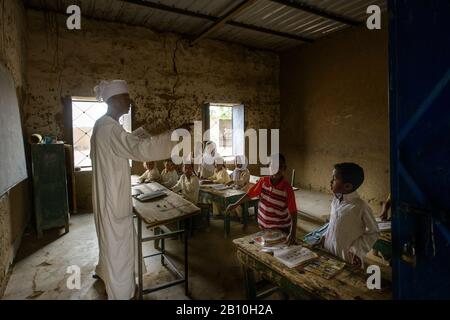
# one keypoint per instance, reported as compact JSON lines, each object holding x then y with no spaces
{"x":207,"y":166}
{"x":352,"y":227}
{"x":111,"y":148}
{"x":189,"y":188}
{"x":169,"y":178}
{"x":150,"y":175}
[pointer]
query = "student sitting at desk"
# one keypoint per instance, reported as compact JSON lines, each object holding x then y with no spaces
{"x":188,"y":183}
{"x":206,"y":168}
{"x":352,"y":230}
{"x":151,"y":172}
{"x":169,"y":176}
{"x":240,"y":177}
{"x":220,"y":176}
{"x":276,"y":208}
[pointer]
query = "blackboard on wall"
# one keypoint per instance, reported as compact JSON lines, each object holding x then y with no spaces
{"x":13,"y":167}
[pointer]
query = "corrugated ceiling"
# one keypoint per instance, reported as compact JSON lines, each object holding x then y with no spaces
{"x":269,"y":15}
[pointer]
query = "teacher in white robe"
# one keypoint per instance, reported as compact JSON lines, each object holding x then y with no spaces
{"x":111,"y":149}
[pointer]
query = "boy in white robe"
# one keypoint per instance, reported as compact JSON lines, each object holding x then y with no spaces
{"x":188,"y":184}
{"x":151,"y":172}
{"x":207,"y":166}
{"x":220,"y":176}
{"x":240,"y":179}
{"x":169,"y":176}
{"x":352,"y":230}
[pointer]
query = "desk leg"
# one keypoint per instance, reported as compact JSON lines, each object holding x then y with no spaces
{"x":226,"y":217}
{"x":163,"y":249}
{"x":245,"y":214}
{"x":140,"y":259}
{"x":186,"y":264}
{"x":250,"y":284}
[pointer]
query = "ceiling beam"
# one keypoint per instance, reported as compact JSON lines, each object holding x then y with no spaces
{"x":300,"y":5}
{"x":224,"y":19}
{"x":270,"y":31}
{"x":162,"y":7}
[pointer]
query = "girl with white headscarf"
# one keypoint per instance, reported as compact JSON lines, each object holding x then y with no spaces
{"x":209,"y":154}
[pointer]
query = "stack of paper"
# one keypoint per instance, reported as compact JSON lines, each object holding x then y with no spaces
{"x":384,"y":225}
{"x":220,"y":187}
{"x":294,"y":256}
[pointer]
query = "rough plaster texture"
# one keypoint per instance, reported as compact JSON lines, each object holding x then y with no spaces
{"x":13,"y":211}
{"x":168,"y":79}
{"x":334,"y":108}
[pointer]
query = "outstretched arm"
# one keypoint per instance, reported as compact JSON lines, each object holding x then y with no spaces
{"x":233,"y":206}
{"x":128,"y":146}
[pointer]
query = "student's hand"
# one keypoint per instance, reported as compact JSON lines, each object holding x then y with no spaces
{"x":320,"y":244}
{"x":356,"y":261}
{"x":291,"y":239}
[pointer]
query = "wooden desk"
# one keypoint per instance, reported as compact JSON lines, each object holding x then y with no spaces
{"x":349,"y":284}
{"x":224,"y":198}
{"x":155,"y":214}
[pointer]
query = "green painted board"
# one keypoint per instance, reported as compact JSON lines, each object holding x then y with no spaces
{"x":49,"y":186}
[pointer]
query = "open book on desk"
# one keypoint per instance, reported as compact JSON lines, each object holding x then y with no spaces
{"x":295,"y":256}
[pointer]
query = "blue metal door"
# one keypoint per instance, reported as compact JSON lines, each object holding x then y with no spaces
{"x":420,"y":147}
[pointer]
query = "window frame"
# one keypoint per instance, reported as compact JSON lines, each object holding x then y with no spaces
{"x":68,"y":128}
{"x":206,"y":122}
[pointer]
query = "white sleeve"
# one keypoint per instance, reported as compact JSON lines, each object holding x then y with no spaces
{"x":177,"y":186}
{"x":193,"y":186}
{"x":144,"y":176}
{"x":174,"y":179}
{"x":128,"y":146}
{"x":365,"y":242}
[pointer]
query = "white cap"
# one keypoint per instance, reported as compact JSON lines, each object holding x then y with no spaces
{"x":106,"y":90}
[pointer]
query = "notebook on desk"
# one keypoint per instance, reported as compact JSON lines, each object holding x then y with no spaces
{"x":147,"y":196}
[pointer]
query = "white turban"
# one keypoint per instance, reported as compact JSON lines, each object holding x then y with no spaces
{"x":106,"y":90}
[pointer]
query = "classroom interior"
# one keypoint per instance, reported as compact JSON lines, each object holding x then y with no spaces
{"x":321,"y":78}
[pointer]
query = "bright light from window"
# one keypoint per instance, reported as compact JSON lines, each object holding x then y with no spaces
{"x":85,"y":112}
{"x":220,"y":124}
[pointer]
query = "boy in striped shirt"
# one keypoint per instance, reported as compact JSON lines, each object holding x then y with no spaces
{"x":277,"y":208}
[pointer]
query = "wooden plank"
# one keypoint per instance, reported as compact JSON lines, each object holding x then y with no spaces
{"x":165,"y":210}
{"x":348,"y":285}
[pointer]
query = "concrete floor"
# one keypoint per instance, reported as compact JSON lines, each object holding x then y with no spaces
{"x":40,"y":267}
